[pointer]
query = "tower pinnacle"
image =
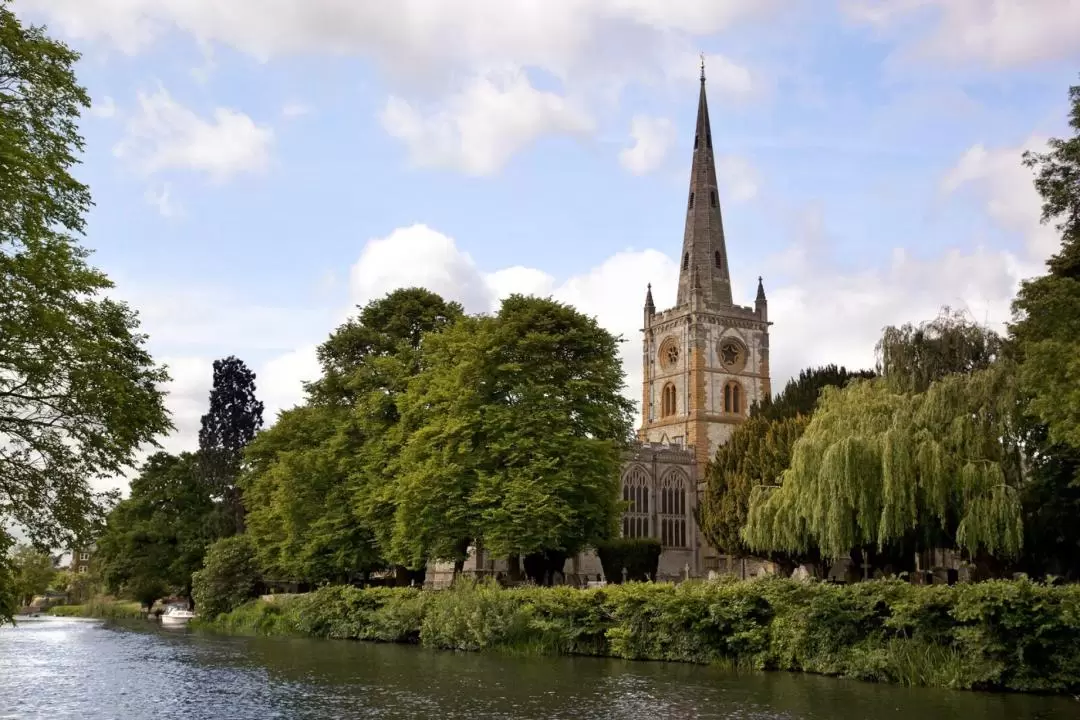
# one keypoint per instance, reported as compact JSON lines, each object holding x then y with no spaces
{"x":704,"y":252}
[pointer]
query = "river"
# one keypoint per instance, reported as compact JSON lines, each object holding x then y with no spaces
{"x":68,"y":668}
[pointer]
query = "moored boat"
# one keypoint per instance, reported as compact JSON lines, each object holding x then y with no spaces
{"x":176,"y":616}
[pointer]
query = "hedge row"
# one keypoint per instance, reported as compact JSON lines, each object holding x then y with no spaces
{"x":1011,"y":635}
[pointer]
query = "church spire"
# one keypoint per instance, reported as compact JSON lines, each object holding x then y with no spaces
{"x":704,"y":252}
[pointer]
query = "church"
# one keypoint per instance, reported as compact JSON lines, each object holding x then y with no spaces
{"x":705,"y":361}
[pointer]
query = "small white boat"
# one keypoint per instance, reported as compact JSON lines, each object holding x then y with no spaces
{"x":176,"y":616}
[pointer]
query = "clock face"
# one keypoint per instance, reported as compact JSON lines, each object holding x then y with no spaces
{"x":732,"y":354}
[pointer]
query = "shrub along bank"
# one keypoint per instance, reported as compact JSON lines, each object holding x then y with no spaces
{"x":102,"y":609}
{"x":1006,"y":635}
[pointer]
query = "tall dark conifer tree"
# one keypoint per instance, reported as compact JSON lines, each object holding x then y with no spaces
{"x":235,"y":416}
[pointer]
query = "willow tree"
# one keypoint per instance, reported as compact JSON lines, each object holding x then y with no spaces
{"x":925,"y":456}
{"x":877,"y":467}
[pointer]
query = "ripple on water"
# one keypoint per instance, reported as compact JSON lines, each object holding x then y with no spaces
{"x":70,"y":668}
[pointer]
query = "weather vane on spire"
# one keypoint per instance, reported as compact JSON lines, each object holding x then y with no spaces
{"x":703,"y":66}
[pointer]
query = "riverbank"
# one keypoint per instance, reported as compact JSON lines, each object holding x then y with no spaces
{"x":102,"y":609}
{"x":1002,"y":635}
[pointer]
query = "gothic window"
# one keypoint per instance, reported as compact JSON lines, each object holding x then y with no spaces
{"x":716,"y":259}
{"x":667,"y":400}
{"x":690,"y":206}
{"x":635,"y":492}
{"x":695,"y":142}
{"x":686,"y":261}
{"x":673,"y":510}
{"x":733,"y":398}
{"x":708,"y":140}
{"x":714,"y":198}
{"x":669,"y":353}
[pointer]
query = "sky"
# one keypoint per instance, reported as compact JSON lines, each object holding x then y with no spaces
{"x":261,"y":167}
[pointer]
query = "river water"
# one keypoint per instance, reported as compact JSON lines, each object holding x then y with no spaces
{"x":67,"y":668}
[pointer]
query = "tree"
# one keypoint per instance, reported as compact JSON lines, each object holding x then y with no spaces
{"x":234,"y":418}
{"x":229,"y":578}
{"x":33,"y":573}
{"x":1046,"y":312}
{"x":883,"y":463}
{"x":318,"y":489}
{"x":800,"y":395}
{"x":758,"y":453}
{"x":156,"y":538}
{"x":78,"y":391}
{"x":515,"y":425}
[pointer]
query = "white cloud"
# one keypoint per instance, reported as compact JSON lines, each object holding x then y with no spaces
{"x":478,"y":129}
{"x":998,"y":33}
{"x":163,"y":200}
{"x":653,"y":138}
{"x":739,"y":180}
{"x":164,"y":135}
{"x":426,"y":33}
{"x":1008,"y":192}
{"x":732,"y":80}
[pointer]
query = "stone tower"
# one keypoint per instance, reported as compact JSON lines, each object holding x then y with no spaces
{"x":706,"y":360}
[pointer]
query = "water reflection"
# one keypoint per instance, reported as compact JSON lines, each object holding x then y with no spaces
{"x":62,"y":668}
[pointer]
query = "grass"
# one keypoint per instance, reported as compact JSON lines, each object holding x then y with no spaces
{"x":101,"y":608}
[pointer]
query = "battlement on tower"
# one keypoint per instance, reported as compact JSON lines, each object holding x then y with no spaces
{"x":736,"y":313}
{"x":647,"y":452}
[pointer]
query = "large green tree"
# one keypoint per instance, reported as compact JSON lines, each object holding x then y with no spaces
{"x":758,"y":453}
{"x":156,"y":538}
{"x":33,"y":573}
{"x":884,"y":463}
{"x":516,"y":422}
{"x":1046,"y":324}
{"x":231,"y":423}
{"x":319,"y":489}
{"x":78,"y":390}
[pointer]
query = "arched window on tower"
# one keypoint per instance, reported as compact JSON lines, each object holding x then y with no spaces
{"x":667,"y":400}
{"x":719,"y":262}
{"x":695,"y":142}
{"x":673,"y":510}
{"x":686,"y":261}
{"x":733,"y":398}
{"x":714,"y":198}
{"x":635,"y":492}
{"x":690,"y":205}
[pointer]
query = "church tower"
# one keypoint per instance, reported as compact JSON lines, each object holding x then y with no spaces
{"x":706,"y":360}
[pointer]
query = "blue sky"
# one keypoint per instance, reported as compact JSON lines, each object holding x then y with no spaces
{"x":260,"y":166}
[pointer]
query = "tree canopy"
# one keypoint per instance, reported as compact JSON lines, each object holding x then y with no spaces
{"x":78,"y":390}
{"x":156,"y":538}
{"x":1046,"y":324}
{"x":230,"y":424}
{"x":882,"y":462}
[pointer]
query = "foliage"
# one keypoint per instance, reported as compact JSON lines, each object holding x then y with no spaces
{"x":155,"y":539}
{"x":875,"y":466}
{"x":1051,"y":501}
{"x":78,"y":391}
{"x":800,"y":395}
{"x":229,"y":578}
{"x":231,"y":423}
{"x":1046,"y":310}
{"x":912,"y":357}
{"x":33,"y":573}
{"x":9,"y":602}
{"x":515,"y":425}
{"x":320,"y":487}
{"x":101,"y":608}
{"x":757,"y":454}
{"x":639,"y":556}
{"x":926,"y":456}
{"x":1007,"y":635}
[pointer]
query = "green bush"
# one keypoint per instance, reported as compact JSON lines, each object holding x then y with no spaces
{"x":228,"y":579}
{"x":639,"y":556}
{"x":1010,"y":635}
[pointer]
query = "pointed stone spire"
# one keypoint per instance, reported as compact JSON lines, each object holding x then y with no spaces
{"x":704,"y":250}
{"x":650,"y":306}
{"x":761,"y":305}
